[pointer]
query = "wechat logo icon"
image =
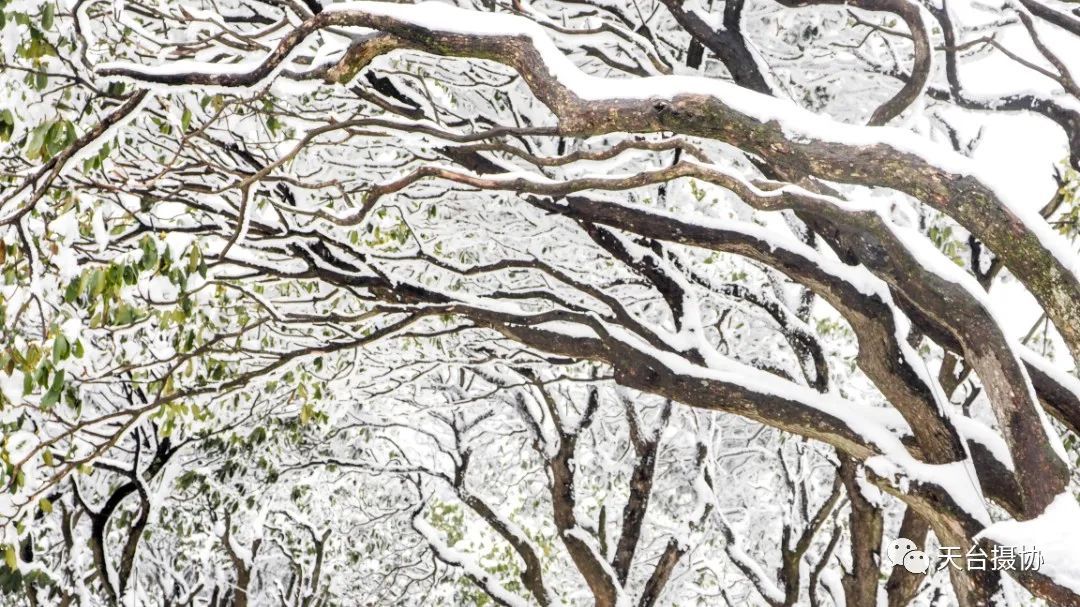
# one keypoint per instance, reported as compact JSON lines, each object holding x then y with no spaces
{"x":902,"y":551}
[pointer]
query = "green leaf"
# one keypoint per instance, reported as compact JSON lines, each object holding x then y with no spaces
{"x":51,"y":398}
{"x":61,"y":134}
{"x":36,"y":142}
{"x":47,"y":16}
{"x":95,"y":286}
{"x":125,"y":315}
{"x":193,"y":259}
{"x":7,"y":125}
{"x":41,"y":376}
{"x":44,"y":503}
{"x":149,"y":259}
{"x":10,"y":558}
{"x":72,"y":291}
{"x":61,"y":348}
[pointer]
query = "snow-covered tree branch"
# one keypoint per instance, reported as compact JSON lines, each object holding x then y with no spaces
{"x":539,"y":303}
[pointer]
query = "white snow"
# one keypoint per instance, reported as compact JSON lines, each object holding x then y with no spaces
{"x":799,"y":123}
{"x":1054,"y":533}
{"x":467,"y":563}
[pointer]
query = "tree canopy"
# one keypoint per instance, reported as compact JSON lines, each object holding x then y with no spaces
{"x":565,"y":302}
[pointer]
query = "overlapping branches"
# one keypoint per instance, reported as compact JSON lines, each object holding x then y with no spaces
{"x":340,"y":206}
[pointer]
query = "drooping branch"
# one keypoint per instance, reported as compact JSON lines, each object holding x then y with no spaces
{"x":804,"y":145}
{"x":532,"y":577}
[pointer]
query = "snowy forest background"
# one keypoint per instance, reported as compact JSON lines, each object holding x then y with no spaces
{"x":537,"y":302}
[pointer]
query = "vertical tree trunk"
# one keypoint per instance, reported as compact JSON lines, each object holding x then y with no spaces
{"x":866,"y":524}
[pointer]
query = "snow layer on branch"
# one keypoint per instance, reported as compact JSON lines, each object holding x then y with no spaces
{"x":1054,"y":533}
{"x":798,"y":122}
{"x":976,"y":431}
{"x":467,"y":564}
{"x":879,"y":428}
{"x":957,"y":478}
{"x":1066,"y":380}
{"x":935,"y":260}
